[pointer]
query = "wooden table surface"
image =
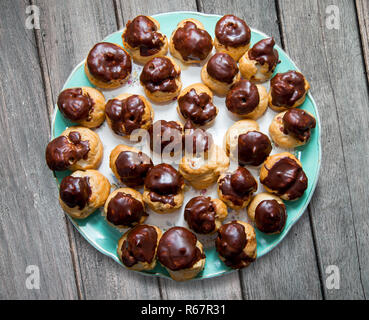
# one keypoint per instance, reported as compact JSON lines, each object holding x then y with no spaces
{"x":34,"y":64}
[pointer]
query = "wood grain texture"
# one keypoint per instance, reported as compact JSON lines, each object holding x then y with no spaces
{"x":31,"y":231}
{"x":293,"y":263}
{"x":332,"y":62}
{"x":362,"y":8}
{"x":68,"y":30}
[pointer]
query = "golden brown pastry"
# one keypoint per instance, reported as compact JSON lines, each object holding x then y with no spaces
{"x":268,"y":212}
{"x":220,"y":73}
{"x":82,"y":192}
{"x":190,"y":42}
{"x":246,"y":144}
{"x":108,"y":65}
{"x":236,"y":188}
{"x":258,"y":63}
{"x":247,"y":100}
{"x":164,"y":186}
{"x":84,"y":105}
{"x":282,"y":174}
{"x":232,"y":36}
{"x":137,"y":247}
{"x":287,"y":90}
{"x":181,"y":253}
{"x":143,"y":40}
{"x":161,"y":79}
{"x":125,"y":208}
{"x":205,"y":215}
{"x":77,"y":148}
{"x":292,"y":128}
{"x":129,"y":165}
{"x":127,"y":113}
{"x":236,"y":244}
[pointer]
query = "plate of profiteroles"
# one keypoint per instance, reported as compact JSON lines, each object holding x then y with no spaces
{"x":185,"y":145}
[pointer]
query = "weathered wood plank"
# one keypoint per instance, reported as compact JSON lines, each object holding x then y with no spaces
{"x":68,"y":30}
{"x":331,"y":60}
{"x":362,"y":8}
{"x":293,"y":263}
{"x":31,"y":231}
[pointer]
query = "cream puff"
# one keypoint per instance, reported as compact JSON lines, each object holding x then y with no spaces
{"x":282,"y":174}
{"x":161,"y":79}
{"x":190,"y":42}
{"x":77,"y":148}
{"x":197,"y":141}
{"x":141,"y":37}
{"x":108,"y":65}
{"x":82,"y":192}
{"x":181,"y":253}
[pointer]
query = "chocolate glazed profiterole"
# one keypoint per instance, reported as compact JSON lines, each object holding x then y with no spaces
{"x":181,"y":253}
{"x":253,"y":148}
{"x":197,"y":141}
{"x":75,"y":191}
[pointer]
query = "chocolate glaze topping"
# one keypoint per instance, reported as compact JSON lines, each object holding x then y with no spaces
{"x":200,"y":214}
{"x":126,"y":113}
{"x":298,"y":123}
{"x":222,"y":67}
{"x":198,"y":108}
{"x":238,"y":186}
{"x":287,"y":88}
{"x":74,"y":105}
{"x":232,"y":31}
{"x":159,"y":74}
{"x":230,"y":243}
{"x":243,"y":97}
{"x":264,"y":52}
{"x":75,"y":191}
{"x":142,"y":32}
{"x":253,"y":148}
{"x":123,"y":209}
{"x":197,"y":140}
{"x":132,"y":167}
{"x":107,"y":62}
{"x":62,"y":152}
{"x":139,"y":245}
{"x":270,"y":216}
{"x":162,"y":133}
{"x":286,"y":177}
{"x":192,"y":42}
{"x":177,"y":249}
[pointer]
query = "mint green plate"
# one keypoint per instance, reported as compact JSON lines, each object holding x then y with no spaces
{"x":104,"y":237}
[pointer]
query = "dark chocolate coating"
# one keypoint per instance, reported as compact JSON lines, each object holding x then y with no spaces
{"x":270,"y":216}
{"x":232,"y":31}
{"x":243,"y":98}
{"x":192,"y":42}
{"x":132,"y":167}
{"x":253,"y":148}
{"x":238,"y":186}
{"x":197,"y":140}
{"x":75,"y":191}
{"x":264,"y":52}
{"x":162,"y":133}
{"x":74,"y":105}
{"x":63,"y":152}
{"x":222,"y":67}
{"x":125,"y":113}
{"x":125,"y":210}
{"x":159,"y":74}
{"x":140,"y":245}
{"x":298,"y":123}
{"x":177,"y":249}
{"x":286,"y":177}
{"x":200,"y":214}
{"x":198,"y":108}
{"x":287,"y":88}
{"x":107,"y":61}
{"x":230,"y":243}
{"x":142,"y":32}
{"x":163,"y":179}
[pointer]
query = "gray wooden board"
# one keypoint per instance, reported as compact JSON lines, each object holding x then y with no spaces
{"x":362,"y":7}
{"x":32,"y":230}
{"x":331,"y":60}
